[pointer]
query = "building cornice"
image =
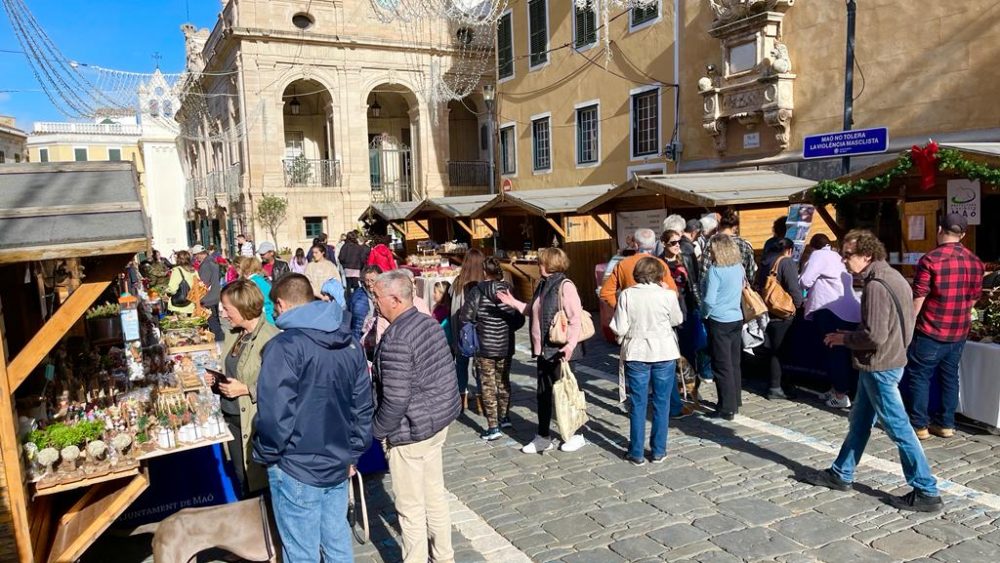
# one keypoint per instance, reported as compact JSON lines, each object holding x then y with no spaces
{"x":13,"y":131}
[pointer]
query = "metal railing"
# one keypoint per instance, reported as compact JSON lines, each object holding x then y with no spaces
{"x":303,"y":172}
{"x":224,"y":183}
{"x":87,"y":128}
{"x":468,"y":173}
{"x":394,"y":191}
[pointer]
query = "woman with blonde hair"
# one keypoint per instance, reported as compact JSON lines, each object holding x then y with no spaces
{"x":721,"y":306}
{"x":244,"y":306}
{"x":183,"y":272}
{"x":251,"y":269}
{"x":555,"y":290}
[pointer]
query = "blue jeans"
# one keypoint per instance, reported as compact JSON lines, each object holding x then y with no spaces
{"x":676,"y":403}
{"x":311,"y":520}
{"x":925,"y":359}
{"x":639,"y":376}
{"x":878,"y":396}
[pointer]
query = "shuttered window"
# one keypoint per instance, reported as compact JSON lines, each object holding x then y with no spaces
{"x":645,"y":123}
{"x":505,"y":47}
{"x":538,"y":37}
{"x":541,"y":144}
{"x":643,"y":14}
{"x":508,"y":151}
{"x":587,"y":140}
{"x":586,"y":25}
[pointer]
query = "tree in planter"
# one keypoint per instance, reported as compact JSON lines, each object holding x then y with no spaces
{"x":272,"y":212}
{"x":300,"y":170}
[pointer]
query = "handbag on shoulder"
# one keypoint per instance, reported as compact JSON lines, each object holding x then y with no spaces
{"x":752,"y":303}
{"x":779,"y":302}
{"x":559,"y":329}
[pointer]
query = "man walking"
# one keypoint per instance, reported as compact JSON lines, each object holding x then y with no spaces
{"x":314,"y":415}
{"x":879,"y":353}
{"x":208,"y":272}
{"x":946,"y":284}
{"x":417,"y":400}
{"x":274,"y":268}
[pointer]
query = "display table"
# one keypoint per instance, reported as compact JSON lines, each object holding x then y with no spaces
{"x":979,"y":383}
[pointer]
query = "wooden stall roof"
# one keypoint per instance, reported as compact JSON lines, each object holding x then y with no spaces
{"x":703,"y":189}
{"x":988,"y":153}
{"x":454,"y":207}
{"x":70,"y":210}
{"x":391,"y":211}
{"x":544,"y":202}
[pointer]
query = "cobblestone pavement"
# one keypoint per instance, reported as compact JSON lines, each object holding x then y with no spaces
{"x":727,"y":491}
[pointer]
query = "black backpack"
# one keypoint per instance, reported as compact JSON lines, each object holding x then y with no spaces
{"x":180,"y":297}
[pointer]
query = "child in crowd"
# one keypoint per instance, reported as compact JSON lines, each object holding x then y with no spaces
{"x":442,"y":307}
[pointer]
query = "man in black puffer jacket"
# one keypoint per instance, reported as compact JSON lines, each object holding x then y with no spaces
{"x":496,"y":324}
{"x":417,"y":400}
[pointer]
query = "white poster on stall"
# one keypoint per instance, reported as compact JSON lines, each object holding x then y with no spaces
{"x":629,"y":221}
{"x":965,"y":197}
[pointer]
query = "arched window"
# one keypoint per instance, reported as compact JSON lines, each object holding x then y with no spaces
{"x":154,"y":107}
{"x":168,"y":108}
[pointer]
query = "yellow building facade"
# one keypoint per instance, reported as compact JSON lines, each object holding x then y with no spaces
{"x":68,"y":142}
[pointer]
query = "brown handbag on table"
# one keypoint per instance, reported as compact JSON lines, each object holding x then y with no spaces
{"x":559,"y":329}
{"x":779,"y":302}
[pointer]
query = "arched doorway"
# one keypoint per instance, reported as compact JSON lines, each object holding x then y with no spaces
{"x":391,"y":134}
{"x":309,"y":158}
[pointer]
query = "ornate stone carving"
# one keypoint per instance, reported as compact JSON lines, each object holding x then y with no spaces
{"x":717,"y":129}
{"x":730,"y":10}
{"x":780,"y":119}
{"x":194,"y":44}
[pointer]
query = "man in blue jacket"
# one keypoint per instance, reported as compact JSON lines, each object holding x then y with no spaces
{"x":314,"y":420}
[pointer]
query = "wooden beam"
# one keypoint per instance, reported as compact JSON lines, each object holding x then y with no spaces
{"x":41,"y":527}
{"x":488,"y":226}
{"x":54,"y":210}
{"x":426,"y":229}
{"x":74,"y":250}
{"x":53,"y":331}
{"x":837,"y":229}
{"x":106,"y":502}
{"x":558,"y":228}
{"x":600,"y":222}
{"x":466,"y":228}
{"x":10,"y":452}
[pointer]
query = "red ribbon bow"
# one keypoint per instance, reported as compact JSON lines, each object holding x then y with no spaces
{"x":926,"y":160}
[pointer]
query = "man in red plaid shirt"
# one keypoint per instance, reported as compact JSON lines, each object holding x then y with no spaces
{"x":946,"y":284}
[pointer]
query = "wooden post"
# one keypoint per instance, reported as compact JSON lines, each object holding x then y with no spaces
{"x":17,"y":498}
{"x":603,"y":225}
{"x":837,"y":229}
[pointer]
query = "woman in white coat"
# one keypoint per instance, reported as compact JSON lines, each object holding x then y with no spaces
{"x":650,"y":353}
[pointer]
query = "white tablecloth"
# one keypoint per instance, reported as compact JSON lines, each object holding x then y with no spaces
{"x":425,"y":288}
{"x":979,"y":383}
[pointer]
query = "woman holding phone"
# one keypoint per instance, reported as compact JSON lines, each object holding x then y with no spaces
{"x":243,"y":304}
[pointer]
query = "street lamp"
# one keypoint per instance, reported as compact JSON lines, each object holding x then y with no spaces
{"x":489,"y":91}
{"x":295,"y":105}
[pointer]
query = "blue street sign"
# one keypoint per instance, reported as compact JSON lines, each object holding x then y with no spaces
{"x":846,"y":143}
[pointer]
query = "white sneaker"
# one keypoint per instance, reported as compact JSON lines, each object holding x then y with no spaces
{"x":827,"y":395}
{"x":839,"y":403}
{"x":538,"y":445}
{"x":573,"y":444}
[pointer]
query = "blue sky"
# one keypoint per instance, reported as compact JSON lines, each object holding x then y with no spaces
{"x":120,"y":35}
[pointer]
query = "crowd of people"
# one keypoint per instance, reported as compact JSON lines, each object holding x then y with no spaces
{"x":315,"y":370}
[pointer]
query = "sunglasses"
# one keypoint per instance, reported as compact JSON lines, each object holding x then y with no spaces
{"x":673,"y":242}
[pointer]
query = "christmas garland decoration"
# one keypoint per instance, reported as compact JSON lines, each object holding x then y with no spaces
{"x":948,"y":160}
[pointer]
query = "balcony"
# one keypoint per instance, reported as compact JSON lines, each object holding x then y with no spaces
{"x":392,"y":191}
{"x":87,"y":128}
{"x":202,"y":191}
{"x":469,"y":173}
{"x":305,"y":173}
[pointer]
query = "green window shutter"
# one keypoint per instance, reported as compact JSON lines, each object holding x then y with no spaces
{"x":643,"y":14}
{"x":505,"y":48}
{"x":537,"y":25}
{"x":586,"y":25}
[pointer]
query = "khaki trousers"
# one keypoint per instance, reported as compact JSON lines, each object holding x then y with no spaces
{"x":421,"y":503}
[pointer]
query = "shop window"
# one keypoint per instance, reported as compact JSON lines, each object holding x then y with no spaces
{"x":646,"y":123}
{"x":587,"y":134}
{"x":314,"y":227}
{"x":43,"y":155}
{"x":585,"y":26}
{"x":114,"y":154}
{"x":538,"y":32}
{"x":645,"y":14}
{"x":80,"y":154}
{"x":541,"y":144}
{"x":508,"y":151}
{"x":505,"y":47}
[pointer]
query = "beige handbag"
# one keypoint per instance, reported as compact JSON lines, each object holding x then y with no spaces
{"x":779,"y":303}
{"x":559,"y":329}
{"x":570,"y":403}
{"x":752,"y":303}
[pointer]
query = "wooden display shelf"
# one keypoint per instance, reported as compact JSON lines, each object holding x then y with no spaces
{"x":86,"y":482}
{"x":194,"y":348}
{"x":220,"y":439}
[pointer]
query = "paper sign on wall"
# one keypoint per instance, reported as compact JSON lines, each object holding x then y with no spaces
{"x":630,"y":221}
{"x":965,"y":197}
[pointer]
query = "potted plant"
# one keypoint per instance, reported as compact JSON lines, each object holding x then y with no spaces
{"x":104,"y":322}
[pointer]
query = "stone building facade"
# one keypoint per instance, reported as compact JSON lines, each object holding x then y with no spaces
{"x":324,"y":105}
{"x":13,"y":141}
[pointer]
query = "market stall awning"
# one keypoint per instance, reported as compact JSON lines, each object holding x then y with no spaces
{"x":392,"y":211}
{"x":544,"y":202}
{"x":70,"y":210}
{"x":454,"y":207}
{"x":706,"y":189}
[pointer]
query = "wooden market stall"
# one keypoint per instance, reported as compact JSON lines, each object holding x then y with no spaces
{"x":445,"y":219}
{"x":381,"y":217}
{"x":526,"y":220}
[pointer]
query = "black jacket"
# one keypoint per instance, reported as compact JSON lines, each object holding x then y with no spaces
{"x":788,"y":277}
{"x":495,"y":321}
{"x":314,"y":397}
{"x":279,"y":270}
{"x":415,"y":380}
{"x":690,"y":262}
{"x":353,"y":256}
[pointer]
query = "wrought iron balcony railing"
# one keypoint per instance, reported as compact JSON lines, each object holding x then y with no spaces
{"x":303,"y":172}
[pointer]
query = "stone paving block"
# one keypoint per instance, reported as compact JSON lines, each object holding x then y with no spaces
{"x":468,"y":556}
{"x":570,"y":527}
{"x":945,"y":531}
{"x":534,"y":539}
{"x":690,"y":551}
{"x":679,"y":502}
{"x":637,"y":548}
{"x":849,"y":551}
{"x":756,"y":543}
{"x":683,"y":478}
{"x":678,"y":535}
{"x":623,"y":513}
{"x":718,"y":524}
{"x":754,"y":511}
{"x":907,"y":545}
{"x":547,"y":555}
{"x":970,"y":550}
{"x":718,"y":556}
{"x":593,"y":556}
{"x":813,"y":529}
